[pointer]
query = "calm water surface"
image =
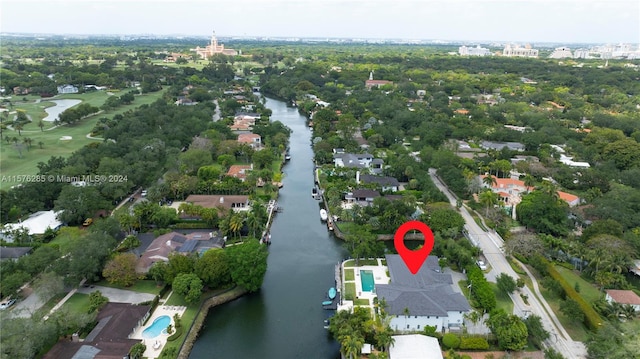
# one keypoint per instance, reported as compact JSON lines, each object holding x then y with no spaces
{"x":285,"y":318}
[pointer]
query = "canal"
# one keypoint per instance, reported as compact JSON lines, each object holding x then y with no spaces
{"x":285,"y":318}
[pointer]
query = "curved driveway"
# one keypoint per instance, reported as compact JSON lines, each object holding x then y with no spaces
{"x":491,"y":245}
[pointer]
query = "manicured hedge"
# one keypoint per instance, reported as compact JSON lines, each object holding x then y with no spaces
{"x":473,"y":343}
{"x":591,"y":318}
{"x":481,"y":291}
{"x":451,"y":341}
{"x":176,"y":335}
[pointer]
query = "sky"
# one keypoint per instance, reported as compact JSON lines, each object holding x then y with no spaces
{"x":556,"y":21}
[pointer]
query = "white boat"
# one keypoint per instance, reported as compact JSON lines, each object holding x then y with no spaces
{"x":323,"y":214}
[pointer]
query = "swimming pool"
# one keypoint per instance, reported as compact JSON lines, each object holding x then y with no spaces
{"x":366,"y":277}
{"x":157,"y":327}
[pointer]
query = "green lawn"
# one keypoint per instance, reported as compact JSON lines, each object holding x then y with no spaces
{"x":503,"y":301}
{"x":576,"y":329}
{"x":587,"y":290}
{"x":348,"y":275}
{"x":11,"y":162}
{"x":77,"y":303}
{"x":141,"y":286}
{"x":187,"y":318}
{"x":346,"y":227}
{"x":349,"y":291}
{"x":350,"y":263}
{"x":66,"y":238}
{"x":361,"y":302}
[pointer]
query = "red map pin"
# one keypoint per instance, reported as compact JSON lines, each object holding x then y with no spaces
{"x":413,"y":259}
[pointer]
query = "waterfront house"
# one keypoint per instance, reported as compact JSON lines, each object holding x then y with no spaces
{"x":239,"y":171}
{"x":426,"y":298}
{"x":109,"y":338}
{"x":174,"y":242}
{"x":224,"y":202}
{"x":254,"y":140}
{"x":385,"y":183}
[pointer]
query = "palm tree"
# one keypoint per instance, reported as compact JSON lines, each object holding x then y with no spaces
{"x":41,"y":125}
{"x":18,"y":127}
{"x":352,"y":345}
{"x":549,"y":188}
{"x":489,"y":199}
{"x":41,"y":144}
{"x":529,"y":181}
{"x":489,"y":180}
{"x":629,"y":311}
{"x":384,"y":338}
{"x":253,"y":223}
{"x":236,"y":221}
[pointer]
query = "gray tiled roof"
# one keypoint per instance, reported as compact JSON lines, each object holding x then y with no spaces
{"x":428,"y":275}
{"x":426,"y":293}
{"x":13,"y":252}
{"x":436,"y":301}
{"x":381,"y":180}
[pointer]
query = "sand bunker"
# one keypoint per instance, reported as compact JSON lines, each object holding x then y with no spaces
{"x":66,"y":138}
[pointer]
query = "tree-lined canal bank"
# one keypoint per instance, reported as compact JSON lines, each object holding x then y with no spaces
{"x":285,"y":318}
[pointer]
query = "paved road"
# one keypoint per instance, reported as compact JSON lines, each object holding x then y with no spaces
{"x":119,"y":295}
{"x":491,"y":245}
{"x":26,"y":307}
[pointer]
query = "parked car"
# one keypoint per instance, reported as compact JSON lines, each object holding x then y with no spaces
{"x":87,"y":222}
{"x":144,"y":193}
{"x":7,"y":304}
{"x":482,"y":265}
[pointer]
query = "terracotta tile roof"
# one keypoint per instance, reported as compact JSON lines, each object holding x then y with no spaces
{"x":504,"y":183}
{"x":239,"y":171}
{"x":462,"y":111}
{"x":567,"y":197}
{"x":624,"y":296}
{"x":248,"y":137}
{"x":217,"y":201}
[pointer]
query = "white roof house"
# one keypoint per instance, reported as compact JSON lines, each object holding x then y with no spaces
{"x":37,"y":223}
{"x":415,"y":346}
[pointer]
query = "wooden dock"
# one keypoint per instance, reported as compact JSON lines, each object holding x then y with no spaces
{"x":272,"y":209}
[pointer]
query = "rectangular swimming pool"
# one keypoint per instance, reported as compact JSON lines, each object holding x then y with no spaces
{"x":366,"y":277}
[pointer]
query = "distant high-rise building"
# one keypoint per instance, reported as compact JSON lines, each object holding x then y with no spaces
{"x":214,"y":48}
{"x":517,"y":51}
{"x":561,"y":53}
{"x":582,"y":54}
{"x":473,"y":51}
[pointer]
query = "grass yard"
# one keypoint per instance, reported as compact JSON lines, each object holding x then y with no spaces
{"x":67,"y":238}
{"x":503,"y":301}
{"x":587,"y":290}
{"x":77,"y":303}
{"x":361,"y":302}
{"x":14,"y":163}
{"x":187,"y":317}
{"x":346,"y":227}
{"x":141,"y":286}
{"x":576,"y":329}
{"x":349,"y":291}
{"x":348,"y":275}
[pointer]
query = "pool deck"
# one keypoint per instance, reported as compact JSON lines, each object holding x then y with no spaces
{"x":379,"y":277}
{"x":159,"y":341}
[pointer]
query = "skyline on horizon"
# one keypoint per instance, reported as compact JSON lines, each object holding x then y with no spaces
{"x":563,"y":21}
